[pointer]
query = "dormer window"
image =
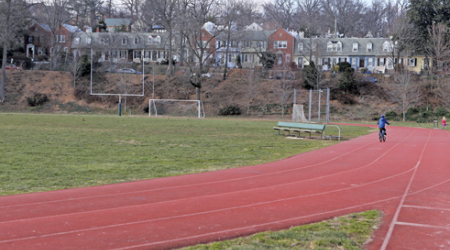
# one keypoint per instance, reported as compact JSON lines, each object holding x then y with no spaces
{"x":154,"y":40}
{"x":333,"y":46}
{"x":136,"y":40}
{"x":369,"y":47}
{"x":387,"y":46}
{"x":355,"y":47}
{"x":300,"y":47}
{"x":124,"y":40}
{"x":76,"y":40}
{"x":88,"y":40}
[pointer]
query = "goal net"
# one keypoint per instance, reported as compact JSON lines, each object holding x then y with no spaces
{"x":172,"y":107}
{"x":298,"y":115}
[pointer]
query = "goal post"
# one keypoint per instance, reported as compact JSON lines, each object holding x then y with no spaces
{"x":174,"y":107}
{"x":298,"y":114}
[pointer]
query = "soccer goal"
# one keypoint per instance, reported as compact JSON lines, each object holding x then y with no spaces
{"x":298,"y":115}
{"x":173,"y":107}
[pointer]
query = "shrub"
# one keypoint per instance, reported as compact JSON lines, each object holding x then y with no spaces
{"x":391,"y":115}
{"x":440,"y":111}
{"x":348,"y":83}
{"x":342,"y":66}
{"x":230,"y":110}
{"x":37,"y":100}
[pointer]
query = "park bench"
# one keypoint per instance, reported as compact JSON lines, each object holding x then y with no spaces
{"x":295,"y":127}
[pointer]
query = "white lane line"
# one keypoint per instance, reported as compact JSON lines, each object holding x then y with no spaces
{"x":247,"y":190}
{"x":397,"y":212}
{"x":428,"y":208}
{"x":191,"y":185}
{"x":421,"y":225}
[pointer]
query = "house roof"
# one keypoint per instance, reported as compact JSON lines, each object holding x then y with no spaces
{"x":117,"y":21}
{"x":115,"y":40}
{"x":347,"y":46}
{"x":71,"y":29}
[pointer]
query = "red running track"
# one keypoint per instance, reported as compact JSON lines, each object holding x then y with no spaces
{"x":408,"y":178}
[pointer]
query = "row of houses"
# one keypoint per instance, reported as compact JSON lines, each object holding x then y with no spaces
{"x":245,"y":48}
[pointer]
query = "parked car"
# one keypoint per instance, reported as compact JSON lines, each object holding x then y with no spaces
{"x":369,"y":79}
{"x":12,"y":67}
{"x":128,"y":71}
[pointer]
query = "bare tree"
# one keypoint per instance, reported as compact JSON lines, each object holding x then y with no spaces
{"x":230,"y":13}
{"x":347,"y":14}
{"x":200,"y":42}
{"x":13,"y":18}
{"x":309,"y":12}
{"x":132,"y":7}
{"x":252,"y":86}
{"x":438,"y":46}
{"x":282,"y":11}
{"x":285,"y":90}
{"x":406,"y":91}
{"x":166,"y":12}
{"x":374,"y":18}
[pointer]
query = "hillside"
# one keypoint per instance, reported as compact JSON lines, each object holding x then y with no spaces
{"x":264,"y":98}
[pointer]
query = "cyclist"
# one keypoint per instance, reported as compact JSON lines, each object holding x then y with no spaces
{"x":382,"y":124}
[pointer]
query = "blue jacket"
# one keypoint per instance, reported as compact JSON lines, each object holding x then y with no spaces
{"x":382,"y":122}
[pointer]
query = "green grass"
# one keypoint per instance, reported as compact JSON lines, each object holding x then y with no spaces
{"x":349,"y":232}
{"x":40,"y":152}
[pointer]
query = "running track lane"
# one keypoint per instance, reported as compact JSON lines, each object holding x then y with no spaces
{"x":407,"y":178}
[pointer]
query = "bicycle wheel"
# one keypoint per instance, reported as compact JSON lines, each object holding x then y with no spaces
{"x":384,"y":138}
{"x":380,"y":136}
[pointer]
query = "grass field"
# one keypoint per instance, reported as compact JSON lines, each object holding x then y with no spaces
{"x":351,"y":231}
{"x":41,"y":152}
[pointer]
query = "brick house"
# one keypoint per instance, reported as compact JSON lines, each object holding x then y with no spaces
{"x":282,"y":43}
{"x":40,"y":42}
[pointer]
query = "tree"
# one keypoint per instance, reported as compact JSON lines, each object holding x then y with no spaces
{"x":348,"y":15}
{"x":348,"y":83}
{"x":424,"y":13}
{"x":13,"y":18}
{"x":252,"y":80}
{"x":438,"y":46}
{"x":200,"y":42}
{"x":230,"y":14}
{"x":406,"y":90}
{"x":282,"y":11}
{"x":166,"y":12}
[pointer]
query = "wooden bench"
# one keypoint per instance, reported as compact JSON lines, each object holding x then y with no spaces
{"x":295,"y":127}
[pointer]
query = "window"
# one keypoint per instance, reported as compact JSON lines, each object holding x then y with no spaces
{"x":412,"y":62}
{"x":88,"y":40}
{"x":288,"y":58}
{"x":334,"y":46}
{"x":355,"y":47}
{"x":56,"y":38}
{"x":280,"y":44}
{"x":76,"y":40}
{"x":137,"y":54}
{"x":114,"y":54}
{"x":39,"y":51}
{"x":369,"y":47}
{"x":30,"y":39}
{"x":123,"y":54}
{"x":124,"y":40}
{"x":370,"y":61}
{"x":380,"y":61}
{"x":261,"y":44}
{"x":247,"y":44}
{"x":154,"y":40}
{"x":136,"y":40}
{"x":62,"y":38}
{"x":247,"y":58}
{"x":300,"y":47}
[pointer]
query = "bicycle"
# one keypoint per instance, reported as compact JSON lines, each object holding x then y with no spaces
{"x":382,"y":136}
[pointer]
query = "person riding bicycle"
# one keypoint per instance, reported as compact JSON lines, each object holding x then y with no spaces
{"x":382,"y":124}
